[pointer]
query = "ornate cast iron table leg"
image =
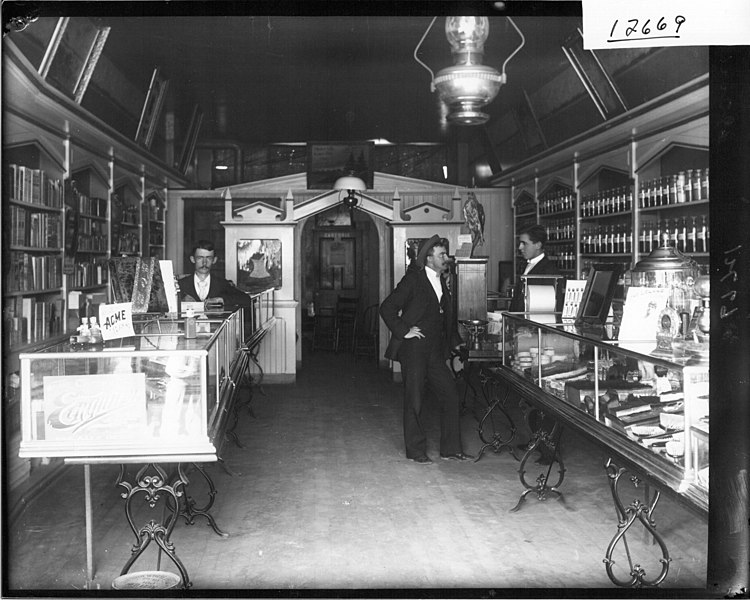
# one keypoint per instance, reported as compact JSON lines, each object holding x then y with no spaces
{"x":252,"y":354}
{"x":234,"y":419}
{"x":151,"y":482}
{"x":463,"y":373}
{"x":551,"y":439}
{"x":498,"y":442}
{"x":187,"y":508}
{"x":626,"y":517}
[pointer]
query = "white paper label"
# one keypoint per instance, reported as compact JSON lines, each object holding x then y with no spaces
{"x":609,"y":24}
{"x":116,"y":320}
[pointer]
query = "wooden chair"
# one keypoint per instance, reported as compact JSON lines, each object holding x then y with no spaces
{"x":366,"y":342}
{"x":325,"y":330}
{"x":346,"y":321}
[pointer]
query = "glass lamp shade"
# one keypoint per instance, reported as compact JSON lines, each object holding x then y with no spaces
{"x":467,"y":34}
{"x":349,"y":182}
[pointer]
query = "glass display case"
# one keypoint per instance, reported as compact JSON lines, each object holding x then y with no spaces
{"x":651,"y":408}
{"x":156,"y":396}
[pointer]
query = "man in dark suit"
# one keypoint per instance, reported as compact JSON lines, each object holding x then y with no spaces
{"x":419,"y":314}
{"x":531,"y":246}
{"x":202,"y":285}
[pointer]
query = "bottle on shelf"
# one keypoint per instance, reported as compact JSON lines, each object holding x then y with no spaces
{"x":682,"y":235}
{"x":702,"y":236}
{"x":690,"y":238}
{"x":95,"y":332}
{"x":697,"y":186}
{"x":672,"y":190}
{"x":688,"y":188}
{"x":190,"y":331}
{"x":704,"y":185}
{"x":84,"y":333}
{"x":680,"y":196}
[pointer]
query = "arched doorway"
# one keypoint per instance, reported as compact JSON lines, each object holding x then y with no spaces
{"x":340,"y":258}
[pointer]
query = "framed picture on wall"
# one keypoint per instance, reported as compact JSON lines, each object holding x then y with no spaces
{"x":258,"y":265}
{"x":327,"y":161}
{"x":338,"y":264}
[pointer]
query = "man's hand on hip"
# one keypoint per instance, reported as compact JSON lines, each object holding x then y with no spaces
{"x":414,"y":332}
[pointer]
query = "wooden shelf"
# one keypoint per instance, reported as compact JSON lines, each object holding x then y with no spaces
{"x":623,"y":213}
{"x":647,"y":209}
{"x":607,"y":255}
{"x":36,"y":344}
{"x":36,"y":249}
{"x":87,"y":288}
{"x":33,"y":206}
{"x":94,"y":217}
{"x":563,"y":213}
{"x":34,"y":292}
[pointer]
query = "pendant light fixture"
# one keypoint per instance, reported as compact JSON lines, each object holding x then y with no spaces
{"x":468,"y":86}
{"x":351,"y":184}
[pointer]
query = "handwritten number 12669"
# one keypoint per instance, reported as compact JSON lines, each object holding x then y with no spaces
{"x":634,"y":30}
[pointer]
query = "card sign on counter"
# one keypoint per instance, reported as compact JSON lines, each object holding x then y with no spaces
{"x":609,"y":24}
{"x":116,"y":320}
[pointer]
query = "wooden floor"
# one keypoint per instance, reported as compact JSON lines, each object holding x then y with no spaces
{"x":322,"y":498}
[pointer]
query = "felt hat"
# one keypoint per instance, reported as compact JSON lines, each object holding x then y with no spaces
{"x":426,"y":246}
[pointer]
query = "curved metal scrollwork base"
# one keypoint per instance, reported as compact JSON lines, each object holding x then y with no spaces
{"x":498,"y":442}
{"x":550,"y":440}
{"x":461,"y":371}
{"x":151,"y":482}
{"x":189,"y":510}
{"x":626,"y":516}
{"x":252,"y":354}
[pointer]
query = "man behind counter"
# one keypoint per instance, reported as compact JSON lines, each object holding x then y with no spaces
{"x":531,"y":247}
{"x":202,"y":285}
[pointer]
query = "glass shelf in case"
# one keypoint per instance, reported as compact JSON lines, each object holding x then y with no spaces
{"x":654,"y":401}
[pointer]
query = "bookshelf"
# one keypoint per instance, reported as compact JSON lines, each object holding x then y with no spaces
{"x":89,"y":193}
{"x":34,"y":243}
{"x":126,"y":221}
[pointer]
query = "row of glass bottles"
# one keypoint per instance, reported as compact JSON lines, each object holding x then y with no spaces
{"x":588,"y":264}
{"x":610,"y":239}
{"x":686,"y":186}
{"x":560,"y":201}
{"x":129,"y":243}
{"x":564,"y":258}
{"x":686,"y":234}
{"x":607,"y":202}
{"x":561,"y":229}
{"x":130,"y":215}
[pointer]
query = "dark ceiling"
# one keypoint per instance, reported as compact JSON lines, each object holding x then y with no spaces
{"x":311,"y":75}
{"x":292,"y":79}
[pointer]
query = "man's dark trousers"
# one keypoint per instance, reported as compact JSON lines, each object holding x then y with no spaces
{"x":423,"y":366}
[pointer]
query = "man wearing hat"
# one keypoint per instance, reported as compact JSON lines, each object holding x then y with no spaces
{"x":419,"y":313}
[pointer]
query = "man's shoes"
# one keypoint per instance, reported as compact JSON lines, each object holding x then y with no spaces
{"x":457,"y":456}
{"x":422,"y":460}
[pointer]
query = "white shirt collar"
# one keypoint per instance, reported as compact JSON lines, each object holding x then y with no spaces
{"x":532,"y":263}
{"x":202,"y":286}
{"x":434,"y":278}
